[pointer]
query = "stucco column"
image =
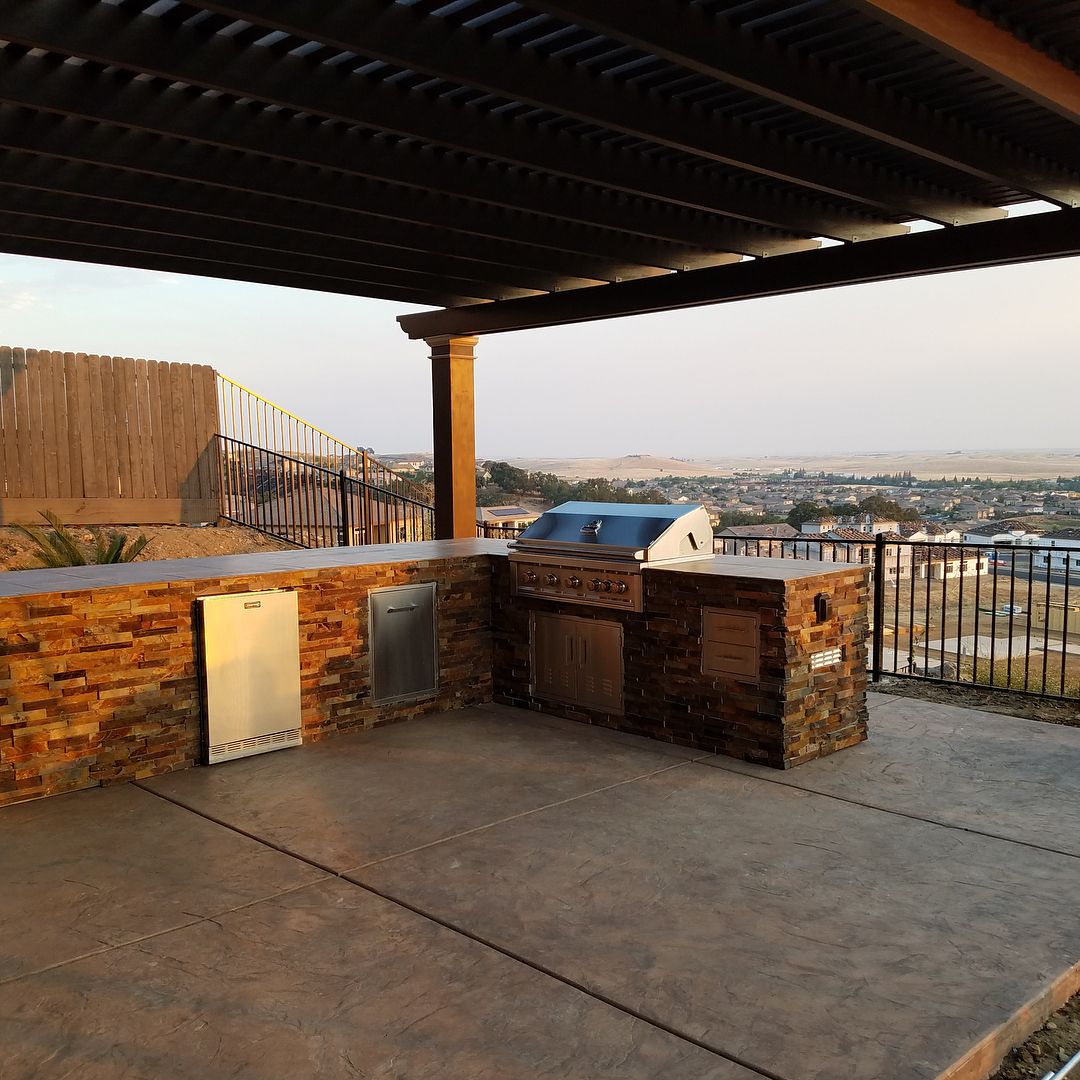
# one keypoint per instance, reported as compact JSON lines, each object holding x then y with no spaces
{"x":453,"y":410}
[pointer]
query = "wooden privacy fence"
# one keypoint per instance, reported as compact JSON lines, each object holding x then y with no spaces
{"x":104,"y":439}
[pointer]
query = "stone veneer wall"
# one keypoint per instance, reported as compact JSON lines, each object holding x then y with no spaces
{"x":99,"y":686}
{"x":792,"y":715}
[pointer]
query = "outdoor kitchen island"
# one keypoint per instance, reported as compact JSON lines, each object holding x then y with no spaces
{"x":103,"y":662}
{"x":759,"y":659}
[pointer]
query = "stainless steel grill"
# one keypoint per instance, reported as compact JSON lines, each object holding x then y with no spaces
{"x":593,"y":553}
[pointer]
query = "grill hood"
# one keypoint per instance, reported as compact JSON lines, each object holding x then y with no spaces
{"x":635,"y":532}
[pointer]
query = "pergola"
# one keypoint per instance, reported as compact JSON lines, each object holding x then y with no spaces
{"x":518,"y":165}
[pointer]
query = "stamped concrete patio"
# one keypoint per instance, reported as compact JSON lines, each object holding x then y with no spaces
{"x":497,"y":894}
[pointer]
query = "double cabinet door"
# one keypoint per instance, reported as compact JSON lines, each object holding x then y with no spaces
{"x":577,"y":661}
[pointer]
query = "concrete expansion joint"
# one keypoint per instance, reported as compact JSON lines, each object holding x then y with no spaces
{"x":390,"y":898}
{"x":719,"y":761}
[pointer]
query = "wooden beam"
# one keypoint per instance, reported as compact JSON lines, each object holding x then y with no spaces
{"x":100,"y":107}
{"x":130,"y":198}
{"x":455,"y":436}
{"x":695,"y":38}
{"x":399,"y":35}
{"x":108,"y":35}
{"x":979,"y":44}
{"x":993,"y":243}
{"x":109,"y":511}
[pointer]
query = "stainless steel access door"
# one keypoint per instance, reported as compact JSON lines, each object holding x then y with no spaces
{"x":404,"y":643}
{"x":577,"y":661}
{"x":250,"y":653}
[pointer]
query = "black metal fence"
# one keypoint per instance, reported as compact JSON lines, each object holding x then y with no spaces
{"x":498,"y":532}
{"x":994,"y":615}
{"x":312,"y":506}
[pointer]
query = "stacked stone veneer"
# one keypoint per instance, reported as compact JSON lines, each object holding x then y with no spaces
{"x":791,"y":715}
{"x":99,"y":686}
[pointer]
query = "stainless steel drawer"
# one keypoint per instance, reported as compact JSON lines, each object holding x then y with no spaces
{"x":729,"y":644}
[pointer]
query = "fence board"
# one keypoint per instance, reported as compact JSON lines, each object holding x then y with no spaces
{"x":159,"y":431}
{"x":167,"y":431}
{"x":109,"y":461}
{"x":9,"y":451}
{"x":22,"y":422}
{"x":96,"y":482}
{"x":34,"y":431}
{"x":46,"y":389}
{"x":209,"y":428}
{"x":60,"y":461}
{"x":74,"y":424}
{"x":134,"y":488}
{"x":146,"y":444}
{"x":183,"y":429}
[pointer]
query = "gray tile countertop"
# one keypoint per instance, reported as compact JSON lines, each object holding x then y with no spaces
{"x":77,"y":578}
{"x":71,"y":579}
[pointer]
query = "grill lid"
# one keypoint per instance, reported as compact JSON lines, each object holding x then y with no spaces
{"x":643,"y":533}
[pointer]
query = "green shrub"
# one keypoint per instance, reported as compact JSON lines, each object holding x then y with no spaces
{"x":60,"y":548}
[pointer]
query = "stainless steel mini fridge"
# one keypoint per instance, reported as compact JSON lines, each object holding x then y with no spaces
{"x":250,"y":667}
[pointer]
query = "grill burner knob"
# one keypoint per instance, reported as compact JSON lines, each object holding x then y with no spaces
{"x":606,"y":585}
{"x":551,"y":579}
{"x":619,"y":587}
{"x":572,"y":582}
{"x":528,"y":577}
{"x":594,"y":585}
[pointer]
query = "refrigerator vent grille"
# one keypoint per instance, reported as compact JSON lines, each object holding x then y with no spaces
{"x":245,"y":747}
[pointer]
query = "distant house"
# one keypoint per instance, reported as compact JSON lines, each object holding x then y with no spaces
{"x":937,"y":562}
{"x":505,"y":517}
{"x":819,"y":525}
{"x":1067,"y":541}
{"x":1010,"y":531}
{"x":929,"y":531}
{"x":733,"y":540}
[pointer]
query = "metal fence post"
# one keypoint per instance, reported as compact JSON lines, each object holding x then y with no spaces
{"x":343,"y":510}
{"x":879,"y":604}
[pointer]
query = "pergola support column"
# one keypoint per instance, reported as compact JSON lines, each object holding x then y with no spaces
{"x":454,"y":416}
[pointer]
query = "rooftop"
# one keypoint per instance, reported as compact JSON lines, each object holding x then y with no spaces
{"x":496,"y":893}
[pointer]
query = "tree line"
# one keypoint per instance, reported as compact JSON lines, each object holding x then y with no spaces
{"x":552,"y":489}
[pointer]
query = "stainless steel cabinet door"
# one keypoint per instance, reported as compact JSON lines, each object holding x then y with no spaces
{"x":578,"y":661}
{"x":404,"y":642}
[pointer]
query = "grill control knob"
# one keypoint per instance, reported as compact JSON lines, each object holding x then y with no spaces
{"x":619,"y":587}
{"x":606,"y":585}
{"x":572,"y":582}
{"x":528,"y":577}
{"x":594,"y":585}
{"x":552,"y":579}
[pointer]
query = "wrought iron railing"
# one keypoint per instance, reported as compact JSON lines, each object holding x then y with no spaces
{"x":247,"y":418}
{"x":498,"y":532}
{"x":993,"y":615}
{"x":311,"y":505}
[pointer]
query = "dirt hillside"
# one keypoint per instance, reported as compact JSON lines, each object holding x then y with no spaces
{"x":166,"y":542}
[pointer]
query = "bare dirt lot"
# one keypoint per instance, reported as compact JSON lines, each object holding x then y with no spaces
{"x":1047,"y":1049}
{"x":166,"y":542}
{"x":1000,"y":464}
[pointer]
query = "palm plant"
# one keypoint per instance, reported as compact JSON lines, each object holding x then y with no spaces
{"x":60,"y":548}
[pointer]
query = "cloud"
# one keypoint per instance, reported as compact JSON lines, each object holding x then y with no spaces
{"x":23,"y":300}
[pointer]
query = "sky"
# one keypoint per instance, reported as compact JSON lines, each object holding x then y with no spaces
{"x":983,"y":359}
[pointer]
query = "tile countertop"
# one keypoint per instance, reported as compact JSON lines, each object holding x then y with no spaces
{"x":77,"y":578}
{"x":736,"y":566}
{"x":16,"y":583}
